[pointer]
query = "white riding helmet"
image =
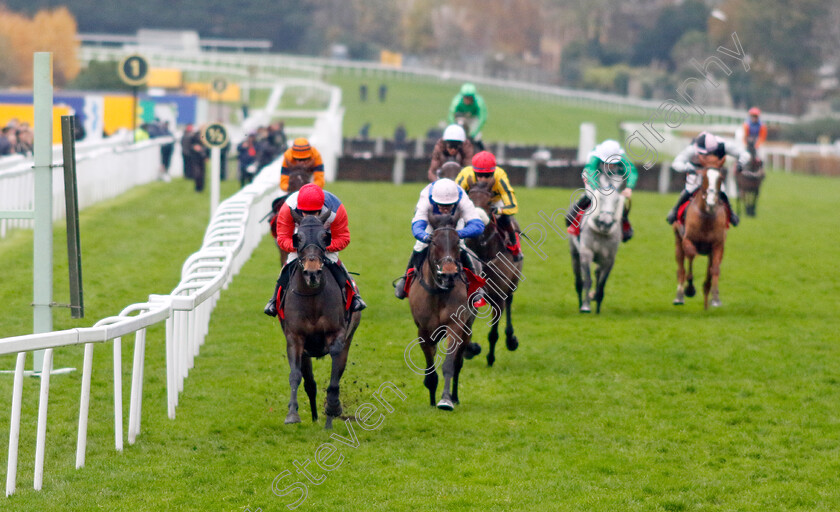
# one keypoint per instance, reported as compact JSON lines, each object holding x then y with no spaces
{"x":609,"y":151}
{"x":445,"y":191}
{"x":454,"y":132}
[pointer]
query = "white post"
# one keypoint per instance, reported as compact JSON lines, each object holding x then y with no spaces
{"x":118,"y":416}
{"x":215,"y":170}
{"x":42,"y":238}
{"x":586,"y":142}
{"x":14,"y":427}
{"x":41,"y":440}
{"x":84,"y":406}
{"x":398,"y":173}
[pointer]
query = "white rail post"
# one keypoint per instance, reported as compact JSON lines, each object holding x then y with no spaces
{"x":215,"y":171}
{"x":42,"y":238}
{"x":14,"y":427}
{"x":586,"y":142}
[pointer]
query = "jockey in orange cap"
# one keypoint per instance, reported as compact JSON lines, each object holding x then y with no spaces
{"x":313,"y":200}
{"x":302,"y":153}
{"x":754,"y":129}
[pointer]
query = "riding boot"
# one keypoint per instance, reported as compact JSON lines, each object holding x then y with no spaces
{"x":282,"y":283}
{"x":413,"y":262}
{"x":672,"y":215}
{"x":581,"y":205}
{"x":508,"y":225}
{"x":733,"y":217}
{"x":626,"y":228}
{"x":342,"y":277}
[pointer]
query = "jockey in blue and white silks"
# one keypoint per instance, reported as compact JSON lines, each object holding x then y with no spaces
{"x":442,"y":197}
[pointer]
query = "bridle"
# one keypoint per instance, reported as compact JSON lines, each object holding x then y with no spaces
{"x":437,"y":265}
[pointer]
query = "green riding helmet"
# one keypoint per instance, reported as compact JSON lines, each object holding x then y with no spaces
{"x":468,"y":89}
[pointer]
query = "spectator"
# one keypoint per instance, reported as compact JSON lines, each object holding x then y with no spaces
{"x":363,"y":92}
{"x":383,"y":91}
{"x":185,"y":150}
{"x":400,"y":136}
{"x":198,"y":154}
{"x":364,"y":131}
{"x":25,"y":140}
{"x":166,"y":151}
{"x":8,"y":139}
{"x":247,"y":156}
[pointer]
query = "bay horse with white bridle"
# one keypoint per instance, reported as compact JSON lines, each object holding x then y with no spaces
{"x":438,"y":299}
{"x":703,"y":232}
{"x":500,"y":270}
{"x":314,"y":319}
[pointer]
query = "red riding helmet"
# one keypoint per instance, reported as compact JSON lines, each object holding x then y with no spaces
{"x":484,"y":162}
{"x":310,"y":198}
{"x":755,"y":111}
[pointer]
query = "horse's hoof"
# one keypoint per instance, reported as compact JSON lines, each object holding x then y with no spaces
{"x":512,"y":343}
{"x":490,"y":360}
{"x":585,"y":309}
{"x":716,"y":303}
{"x":472,"y":350}
{"x":446,"y":404}
{"x":292,"y":417}
{"x":679,"y":302}
{"x":328,"y":423}
{"x":690,"y":291}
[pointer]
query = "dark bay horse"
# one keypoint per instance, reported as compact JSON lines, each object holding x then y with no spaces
{"x":704,"y":232}
{"x":438,"y":300}
{"x":749,"y":180}
{"x":298,"y":177}
{"x":314,"y":321}
{"x":500,"y":270}
{"x":449,"y":170}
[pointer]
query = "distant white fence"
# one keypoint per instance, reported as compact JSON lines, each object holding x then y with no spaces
{"x":317,"y":67}
{"x":234,"y":232}
{"x":104,"y":169}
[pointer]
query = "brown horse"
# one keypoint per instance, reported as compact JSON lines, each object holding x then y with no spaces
{"x":749,"y":180}
{"x":449,"y":170}
{"x":704,"y":232}
{"x":299,"y":176}
{"x":438,"y":300}
{"x":314,"y":321}
{"x":504,"y":277}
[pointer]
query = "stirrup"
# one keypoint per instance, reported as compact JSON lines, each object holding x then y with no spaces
{"x":399,"y":288}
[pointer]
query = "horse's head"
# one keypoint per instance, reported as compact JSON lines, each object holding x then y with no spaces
{"x":609,"y":205}
{"x":710,"y":187}
{"x":449,"y":170}
{"x":444,"y":251}
{"x":481,"y":195}
{"x":311,"y":241}
{"x":299,"y":176}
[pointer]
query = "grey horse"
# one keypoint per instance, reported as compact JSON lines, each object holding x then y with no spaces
{"x":600,"y":237}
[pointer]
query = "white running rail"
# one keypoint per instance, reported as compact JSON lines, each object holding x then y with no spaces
{"x":234,"y":232}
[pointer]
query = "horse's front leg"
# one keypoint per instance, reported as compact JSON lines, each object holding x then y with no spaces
{"x":690,"y":253}
{"x":576,"y":269}
{"x":716,"y":258}
{"x":294,"y":351}
{"x":457,"y":341}
{"x":431,"y":379}
{"x":585,"y":262}
{"x":603,"y":274}
{"x":510,"y":339}
{"x":679,"y":255}
{"x":338,"y":352}
{"x":493,"y":337}
{"x":309,"y":385}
